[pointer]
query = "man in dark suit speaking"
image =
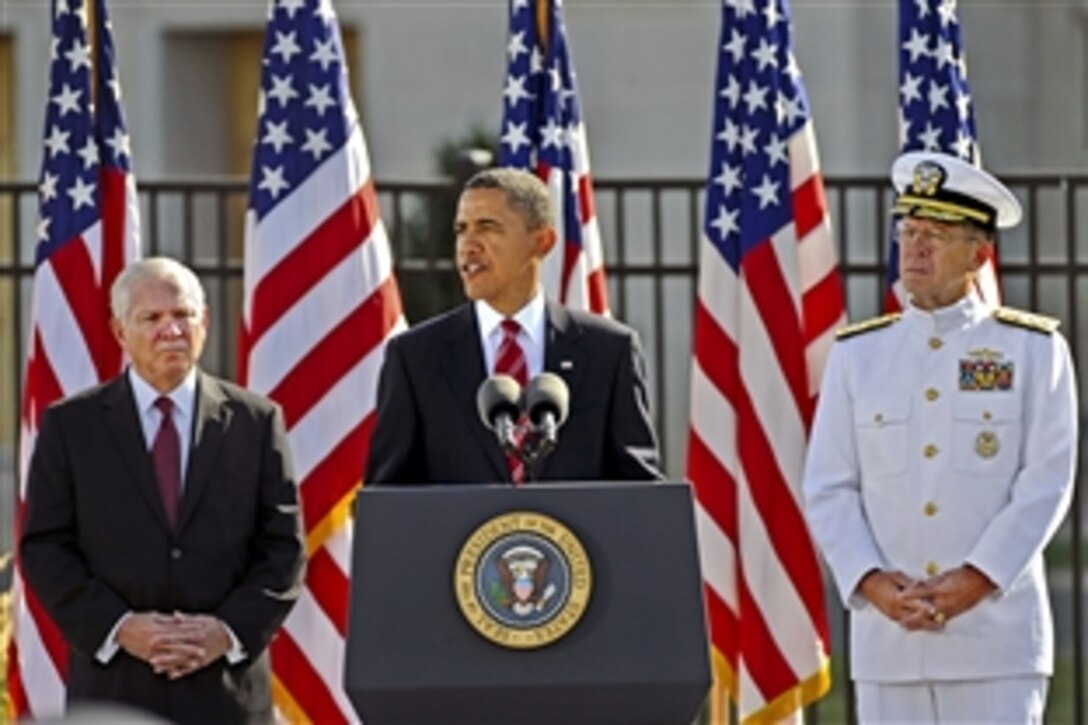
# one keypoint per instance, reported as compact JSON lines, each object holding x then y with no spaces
{"x":162,"y":531}
{"x":428,"y":430}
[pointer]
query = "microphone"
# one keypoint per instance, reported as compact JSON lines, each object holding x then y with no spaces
{"x":547,"y":401}
{"x":498,"y":403}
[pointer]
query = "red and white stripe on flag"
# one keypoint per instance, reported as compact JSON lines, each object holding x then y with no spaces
{"x":543,"y":132}
{"x":769,"y":300}
{"x":88,"y":230}
{"x":320,"y":303}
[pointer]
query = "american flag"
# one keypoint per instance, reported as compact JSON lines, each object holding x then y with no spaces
{"x":320,"y":303}
{"x":542,"y":131}
{"x":769,"y":300}
{"x":88,"y":230}
{"x":935,"y":111}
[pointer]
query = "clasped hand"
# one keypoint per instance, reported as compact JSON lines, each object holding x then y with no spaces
{"x":918,"y":604}
{"x":175,"y":645}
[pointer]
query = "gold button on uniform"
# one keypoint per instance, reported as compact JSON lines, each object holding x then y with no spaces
{"x":930,"y":450}
{"x":936,"y":343}
{"x":932,"y":569}
{"x":930,"y":509}
{"x":932,"y":394}
{"x":987,"y":415}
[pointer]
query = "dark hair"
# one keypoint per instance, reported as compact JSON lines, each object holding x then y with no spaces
{"x":526,"y":194}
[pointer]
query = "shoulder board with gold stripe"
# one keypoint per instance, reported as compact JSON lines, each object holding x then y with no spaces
{"x":1027,"y":320}
{"x":873,"y":323}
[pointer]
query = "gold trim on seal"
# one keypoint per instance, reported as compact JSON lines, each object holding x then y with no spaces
{"x":479,"y":543}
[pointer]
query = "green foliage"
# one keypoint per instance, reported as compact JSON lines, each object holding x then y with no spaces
{"x":498,"y":596}
{"x":428,"y":280}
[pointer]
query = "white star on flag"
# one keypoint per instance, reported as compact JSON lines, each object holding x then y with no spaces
{"x":286,"y":47}
{"x":81,"y":193}
{"x":119,"y":142}
{"x":320,"y":99}
{"x":276,"y":135}
{"x":89,"y":154}
{"x":515,"y":136}
{"x":282,"y":90}
{"x":316,"y":143}
{"x":272,"y":180}
{"x":79,"y":56}
{"x":324,"y":54}
{"x":68,"y":100}
{"x":57,"y":141}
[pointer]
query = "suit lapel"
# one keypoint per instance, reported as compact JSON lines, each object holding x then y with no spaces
{"x":463,"y":366}
{"x":563,"y":354}
{"x":122,"y":420}
{"x":210,"y":420}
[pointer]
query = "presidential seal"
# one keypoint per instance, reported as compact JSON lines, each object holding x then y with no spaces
{"x":522,"y":580}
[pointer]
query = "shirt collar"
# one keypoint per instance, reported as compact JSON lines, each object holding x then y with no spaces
{"x":961,"y":313}
{"x":182,"y":396}
{"x":530,"y":317}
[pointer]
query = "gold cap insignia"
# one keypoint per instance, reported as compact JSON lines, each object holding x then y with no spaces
{"x":928,"y":178}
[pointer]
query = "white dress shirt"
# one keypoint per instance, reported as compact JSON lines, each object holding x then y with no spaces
{"x":531,"y":337}
{"x":184,"y":399}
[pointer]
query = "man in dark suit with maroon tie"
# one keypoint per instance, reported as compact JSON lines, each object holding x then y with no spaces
{"x":428,"y":430}
{"x":162,"y":531}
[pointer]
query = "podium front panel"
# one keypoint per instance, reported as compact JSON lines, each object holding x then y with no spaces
{"x":637,"y":655}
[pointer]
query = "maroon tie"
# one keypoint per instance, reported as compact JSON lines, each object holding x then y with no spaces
{"x":510,"y":360}
{"x":166,"y":453}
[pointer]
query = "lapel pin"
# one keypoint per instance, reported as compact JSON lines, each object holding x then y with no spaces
{"x":566,"y":365}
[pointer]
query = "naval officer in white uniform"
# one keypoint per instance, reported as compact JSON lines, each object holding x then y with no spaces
{"x":940,"y":465}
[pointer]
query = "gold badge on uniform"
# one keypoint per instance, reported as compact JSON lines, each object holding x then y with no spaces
{"x":986,"y":444}
{"x":983,"y":369}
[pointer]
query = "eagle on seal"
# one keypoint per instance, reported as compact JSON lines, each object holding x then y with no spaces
{"x":523,"y":571}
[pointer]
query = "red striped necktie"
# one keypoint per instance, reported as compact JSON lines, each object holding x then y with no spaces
{"x":510,"y":360}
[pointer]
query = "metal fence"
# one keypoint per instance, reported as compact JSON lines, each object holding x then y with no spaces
{"x":651,"y":232}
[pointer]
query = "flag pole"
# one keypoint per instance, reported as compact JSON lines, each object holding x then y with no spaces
{"x":719,"y":704}
{"x":89,"y":16}
{"x":543,"y":16}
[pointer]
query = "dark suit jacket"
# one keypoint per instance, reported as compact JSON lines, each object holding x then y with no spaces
{"x":96,"y":543}
{"x":428,"y":430}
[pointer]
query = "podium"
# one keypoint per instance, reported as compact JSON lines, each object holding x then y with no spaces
{"x":550,"y":603}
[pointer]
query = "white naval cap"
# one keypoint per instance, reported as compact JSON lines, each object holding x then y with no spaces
{"x":943,"y":187}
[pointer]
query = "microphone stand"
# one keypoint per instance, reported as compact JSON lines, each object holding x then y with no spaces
{"x":538,"y":443}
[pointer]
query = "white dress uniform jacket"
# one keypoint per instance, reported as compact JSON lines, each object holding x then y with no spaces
{"x":944,"y":438}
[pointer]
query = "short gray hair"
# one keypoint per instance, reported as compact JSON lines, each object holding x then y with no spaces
{"x":158,"y":268}
{"x":525,"y":193}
